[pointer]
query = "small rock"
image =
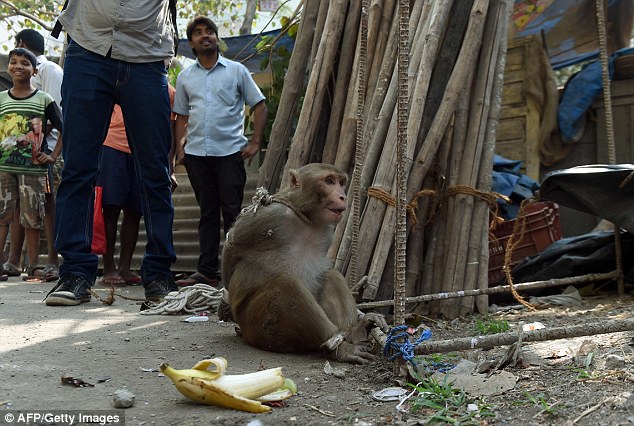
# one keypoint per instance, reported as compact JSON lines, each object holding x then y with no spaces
{"x":123,"y":398}
{"x":614,"y":362}
{"x":629,"y":403}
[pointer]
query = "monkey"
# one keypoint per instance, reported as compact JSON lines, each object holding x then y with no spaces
{"x":280,"y":287}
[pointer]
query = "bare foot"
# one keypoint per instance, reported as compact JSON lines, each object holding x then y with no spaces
{"x":112,"y":279}
{"x":130,"y":277}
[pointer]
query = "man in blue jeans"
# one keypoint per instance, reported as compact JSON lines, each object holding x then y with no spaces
{"x":117,"y":53}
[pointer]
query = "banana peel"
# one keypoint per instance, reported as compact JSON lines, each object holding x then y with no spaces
{"x":207,"y":383}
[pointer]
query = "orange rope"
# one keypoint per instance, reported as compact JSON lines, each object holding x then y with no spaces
{"x":489,"y":197}
{"x":519,"y":228}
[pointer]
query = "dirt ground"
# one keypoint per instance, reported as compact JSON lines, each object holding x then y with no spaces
{"x":114,"y":347}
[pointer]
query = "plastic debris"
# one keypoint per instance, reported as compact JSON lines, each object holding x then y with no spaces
{"x":389,"y":394}
{"x":197,"y":318}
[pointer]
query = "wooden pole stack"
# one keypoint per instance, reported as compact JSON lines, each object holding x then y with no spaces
{"x":456,"y":62}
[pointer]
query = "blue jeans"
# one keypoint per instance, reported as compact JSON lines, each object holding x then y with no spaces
{"x":92,"y":84}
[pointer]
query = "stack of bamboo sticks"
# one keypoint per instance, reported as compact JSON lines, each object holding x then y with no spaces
{"x":457,"y":52}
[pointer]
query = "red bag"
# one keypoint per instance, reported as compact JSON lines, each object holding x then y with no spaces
{"x":99,"y":225}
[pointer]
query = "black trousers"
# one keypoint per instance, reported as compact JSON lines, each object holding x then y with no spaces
{"x":218,"y":184}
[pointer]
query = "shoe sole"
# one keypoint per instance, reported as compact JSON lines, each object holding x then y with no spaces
{"x":61,"y":300}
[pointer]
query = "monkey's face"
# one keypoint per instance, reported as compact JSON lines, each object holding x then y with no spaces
{"x":333,"y":197}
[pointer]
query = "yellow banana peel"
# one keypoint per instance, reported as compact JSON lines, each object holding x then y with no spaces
{"x":207,"y":383}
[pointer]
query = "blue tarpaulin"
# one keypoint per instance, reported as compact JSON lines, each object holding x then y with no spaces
{"x":570,"y":28}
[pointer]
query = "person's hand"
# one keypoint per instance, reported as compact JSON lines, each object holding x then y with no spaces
{"x":42,"y":158}
{"x":173,"y":181}
{"x":249,"y":151}
{"x":180,"y":156}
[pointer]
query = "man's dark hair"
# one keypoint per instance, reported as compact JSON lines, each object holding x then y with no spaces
{"x":21,"y":51}
{"x":198,"y":21}
{"x":32,"y":39}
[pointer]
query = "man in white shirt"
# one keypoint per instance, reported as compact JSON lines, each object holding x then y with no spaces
{"x":209,"y":103}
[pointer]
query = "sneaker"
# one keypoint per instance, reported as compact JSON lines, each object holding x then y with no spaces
{"x":155,"y":291}
{"x":70,"y":290}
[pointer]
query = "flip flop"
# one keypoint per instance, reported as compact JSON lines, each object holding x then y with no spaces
{"x":41,"y":274}
{"x":11,"y":270}
{"x":196,"y":278}
{"x":51,"y":272}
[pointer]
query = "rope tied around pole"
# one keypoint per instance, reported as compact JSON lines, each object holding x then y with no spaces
{"x":490,"y":198}
{"x":393,"y":348}
{"x":412,"y":207}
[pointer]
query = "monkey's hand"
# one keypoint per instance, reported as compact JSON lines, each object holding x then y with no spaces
{"x":359,"y":333}
{"x":224,"y":309}
{"x":360,"y":353}
{"x":373,"y":319}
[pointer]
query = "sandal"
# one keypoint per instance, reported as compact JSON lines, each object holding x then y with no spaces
{"x":51,"y":272}
{"x":11,"y":270}
{"x":41,"y":274}
{"x":197,"y":278}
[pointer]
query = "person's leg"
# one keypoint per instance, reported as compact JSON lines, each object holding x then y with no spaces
{"x":8,"y":202}
{"x":131,"y":220}
{"x":113,"y":180}
{"x":49,"y":220}
{"x":12,"y":266}
{"x":146,"y":111}
{"x":32,"y":212}
{"x":231,"y":192}
{"x":111,"y":219}
{"x":129,"y":235}
{"x":32,"y":245}
{"x":4,"y":231}
{"x":203,"y":178}
{"x":88,"y":93}
{"x":88,"y":90}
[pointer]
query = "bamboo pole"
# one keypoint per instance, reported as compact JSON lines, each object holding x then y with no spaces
{"x":320,"y":75}
{"x":269,"y":175}
{"x":461,"y":241}
{"x":456,"y":137}
{"x":502,"y":339}
{"x":382,"y":147}
{"x":533,"y":285}
{"x":375,"y":60}
{"x":375,"y":148}
{"x":320,"y":25}
{"x":344,"y":75}
{"x":481,"y":209}
{"x":455,"y":86}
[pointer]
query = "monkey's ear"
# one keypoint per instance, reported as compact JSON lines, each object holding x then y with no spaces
{"x":295,"y":179}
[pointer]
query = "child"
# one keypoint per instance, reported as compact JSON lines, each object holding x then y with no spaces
{"x":24,"y":114}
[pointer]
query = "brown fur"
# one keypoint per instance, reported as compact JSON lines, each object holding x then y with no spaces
{"x":283,"y":292}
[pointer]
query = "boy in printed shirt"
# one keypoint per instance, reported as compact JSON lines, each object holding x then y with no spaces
{"x":24,"y":112}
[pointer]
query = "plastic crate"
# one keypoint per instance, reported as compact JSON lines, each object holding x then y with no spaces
{"x":542,"y":229}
